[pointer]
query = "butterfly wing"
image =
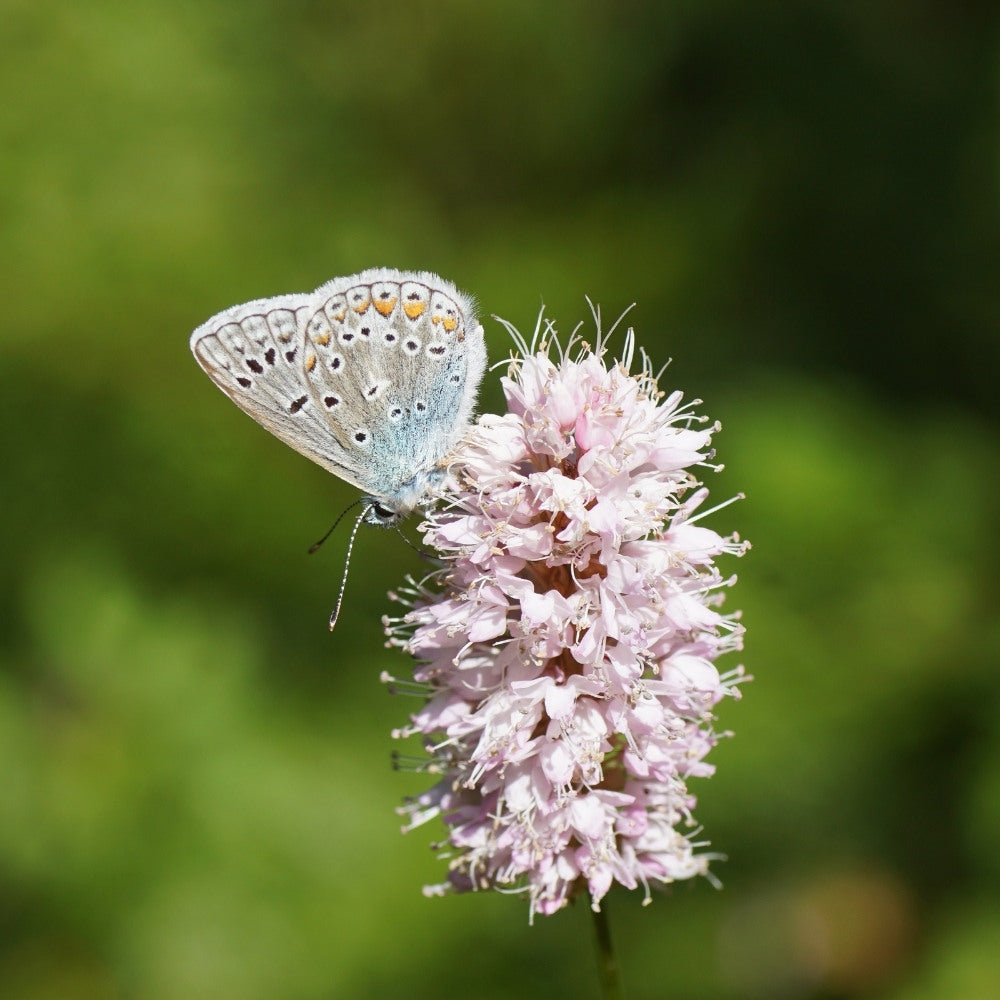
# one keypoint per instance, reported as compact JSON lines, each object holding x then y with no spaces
{"x":371,"y":376}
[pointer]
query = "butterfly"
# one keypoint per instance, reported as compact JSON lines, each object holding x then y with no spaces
{"x":373,"y":376}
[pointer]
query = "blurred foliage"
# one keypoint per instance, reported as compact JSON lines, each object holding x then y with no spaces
{"x":802,"y":198}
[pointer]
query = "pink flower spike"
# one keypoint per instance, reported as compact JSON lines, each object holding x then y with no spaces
{"x":567,"y":644}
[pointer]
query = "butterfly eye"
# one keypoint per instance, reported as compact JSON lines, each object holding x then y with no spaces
{"x":384,"y":517}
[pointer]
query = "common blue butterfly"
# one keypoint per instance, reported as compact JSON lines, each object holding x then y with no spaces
{"x":372,"y":376}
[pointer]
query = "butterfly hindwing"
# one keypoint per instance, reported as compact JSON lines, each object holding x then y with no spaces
{"x":387,"y":361}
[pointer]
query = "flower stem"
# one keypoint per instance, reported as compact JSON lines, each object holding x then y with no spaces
{"x":607,"y":964}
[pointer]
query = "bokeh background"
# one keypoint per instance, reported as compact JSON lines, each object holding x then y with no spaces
{"x":803,"y":199}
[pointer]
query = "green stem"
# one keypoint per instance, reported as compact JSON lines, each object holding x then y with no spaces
{"x":607,"y":964}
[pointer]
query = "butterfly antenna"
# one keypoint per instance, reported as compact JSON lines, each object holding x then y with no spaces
{"x":340,"y":517}
{"x":347,"y":566}
{"x":423,"y":553}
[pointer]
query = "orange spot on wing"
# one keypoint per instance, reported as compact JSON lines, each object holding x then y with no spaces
{"x":449,"y":323}
{"x":415,"y":309}
{"x":385,"y":306}
{"x":310,"y":362}
{"x":322,"y":338}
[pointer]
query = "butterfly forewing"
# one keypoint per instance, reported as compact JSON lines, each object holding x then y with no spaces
{"x":252,"y":352}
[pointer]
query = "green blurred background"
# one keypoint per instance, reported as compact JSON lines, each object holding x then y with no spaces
{"x":803,"y":199}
